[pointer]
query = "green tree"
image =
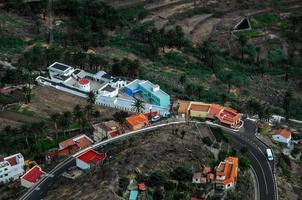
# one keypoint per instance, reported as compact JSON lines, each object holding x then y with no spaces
{"x":78,"y":113}
{"x":65,"y":121}
{"x":91,"y":98}
{"x":288,"y":97}
{"x":55,"y":118}
{"x":138,"y":105}
{"x":182,"y":174}
{"x":244,"y":163}
{"x":242,"y":40}
{"x":229,"y":80}
{"x":156,"y":179}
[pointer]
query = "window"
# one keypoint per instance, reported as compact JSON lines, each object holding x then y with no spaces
{"x":1,"y":176}
{"x":5,"y":174}
{"x":5,"y":169}
{"x":229,"y":185}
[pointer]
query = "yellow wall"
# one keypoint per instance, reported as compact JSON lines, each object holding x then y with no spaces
{"x":200,"y":114}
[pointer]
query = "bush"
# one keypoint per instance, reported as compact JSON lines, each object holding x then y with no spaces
{"x":123,"y":183}
{"x":157,"y":179}
{"x":182,"y":174}
{"x":207,"y":141}
{"x":169,"y":185}
{"x":244,"y":163}
{"x":219,"y":135}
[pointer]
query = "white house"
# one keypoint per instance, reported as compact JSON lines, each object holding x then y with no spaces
{"x":32,"y":176}
{"x":282,"y":136}
{"x":11,"y":167}
{"x":90,"y":158}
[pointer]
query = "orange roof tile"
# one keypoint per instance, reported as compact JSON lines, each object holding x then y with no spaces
{"x":214,"y":110}
{"x":141,"y":186}
{"x":227,"y":168}
{"x":285,"y":133}
{"x":228,"y":116}
{"x":183,"y":106}
{"x":137,"y":119}
{"x":199,"y":107}
{"x":83,"y":142}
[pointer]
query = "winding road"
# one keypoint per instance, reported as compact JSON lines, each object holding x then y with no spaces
{"x":246,"y":136}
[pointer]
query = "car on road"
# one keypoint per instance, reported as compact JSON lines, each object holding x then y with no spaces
{"x":155,"y":118}
{"x":269,"y":154}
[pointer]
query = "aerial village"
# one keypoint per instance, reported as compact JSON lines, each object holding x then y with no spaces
{"x":150,"y":106}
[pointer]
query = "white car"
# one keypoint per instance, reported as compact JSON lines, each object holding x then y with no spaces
{"x":155,"y":118}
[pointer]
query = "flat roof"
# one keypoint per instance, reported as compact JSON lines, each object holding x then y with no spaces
{"x":199,"y":107}
{"x":59,"y":66}
{"x":149,"y":86}
{"x":108,"y":88}
{"x":33,"y":175}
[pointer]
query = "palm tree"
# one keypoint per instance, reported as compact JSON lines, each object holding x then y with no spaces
{"x":91,"y":98}
{"x":26,"y":90}
{"x":56,"y":118}
{"x":77,"y":113}
{"x":229,"y":79}
{"x":65,"y":121}
{"x":258,"y":49}
{"x":138,"y":105}
{"x":26,"y":129}
{"x":288,"y":96}
{"x":242,"y":40}
{"x":88,"y":109}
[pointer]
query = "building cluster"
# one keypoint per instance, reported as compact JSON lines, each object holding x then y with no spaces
{"x":224,"y":115}
{"x":110,"y":91}
{"x":224,"y":176}
{"x":13,"y":168}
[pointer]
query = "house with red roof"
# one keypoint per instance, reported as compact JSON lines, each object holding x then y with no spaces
{"x":136,"y":122}
{"x":90,"y":158}
{"x":11,"y":167}
{"x":82,"y":141}
{"x":229,"y":117}
{"x":283,"y":136}
{"x":32,"y":176}
{"x":226,"y":173}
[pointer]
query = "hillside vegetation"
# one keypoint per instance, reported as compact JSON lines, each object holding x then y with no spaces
{"x":184,"y":46}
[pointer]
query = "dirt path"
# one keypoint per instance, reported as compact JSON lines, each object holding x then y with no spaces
{"x":203,"y":31}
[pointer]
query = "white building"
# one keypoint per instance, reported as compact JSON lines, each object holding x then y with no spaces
{"x":282,"y":136}
{"x":11,"y":167}
{"x":32,"y":176}
{"x":80,"y":82}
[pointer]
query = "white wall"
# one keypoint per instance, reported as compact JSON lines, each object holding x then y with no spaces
{"x":280,"y":138}
{"x":82,"y":165}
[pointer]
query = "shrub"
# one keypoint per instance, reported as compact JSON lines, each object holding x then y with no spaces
{"x":207,"y":141}
{"x":156,"y":179}
{"x":123,"y":182}
{"x":182,"y":174}
{"x":244,"y":163}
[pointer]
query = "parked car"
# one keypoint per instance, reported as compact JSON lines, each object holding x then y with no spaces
{"x":155,"y":118}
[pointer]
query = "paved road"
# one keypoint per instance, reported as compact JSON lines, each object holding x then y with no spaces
{"x":256,"y":153}
{"x":259,"y":161}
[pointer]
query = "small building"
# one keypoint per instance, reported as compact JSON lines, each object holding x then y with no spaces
{"x":183,"y":106}
{"x":141,"y":186}
{"x":32,"y":176}
{"x":82,"y":141}
{"x":282,"y":136}
{"x":107,"y":129}
{"x":11,"y":167}
{"x":206,"y":170}
{"x":229,"y":117}
{"x":136,"y":122}
{"x":226,"y":173}
{"x":198,"y":109}
{"x":133,"y":195}
{"x":90,"y":158}
{"x":198,"y":178}
{"x":148,"y":91}
{"x":108,"y":91}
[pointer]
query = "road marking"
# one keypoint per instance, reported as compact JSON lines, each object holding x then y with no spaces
{"x":261,"y":170}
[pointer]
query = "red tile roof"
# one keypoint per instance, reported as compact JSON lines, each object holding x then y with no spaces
{"x":285,"y":133}
{"x":228,"y":169}
{"x":214,"y":110}
{"x":12,"y":161}
{"x":183,"y":106}
{"x":68,"y":150}
{"x":137,"y":120}
{"x":114,"y":134}
{"x":82,"y":140}
{"x":141,"y":186}
{"x":199,"y":107}
{"x":33,"y":175}
{"x":92,"y":156}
